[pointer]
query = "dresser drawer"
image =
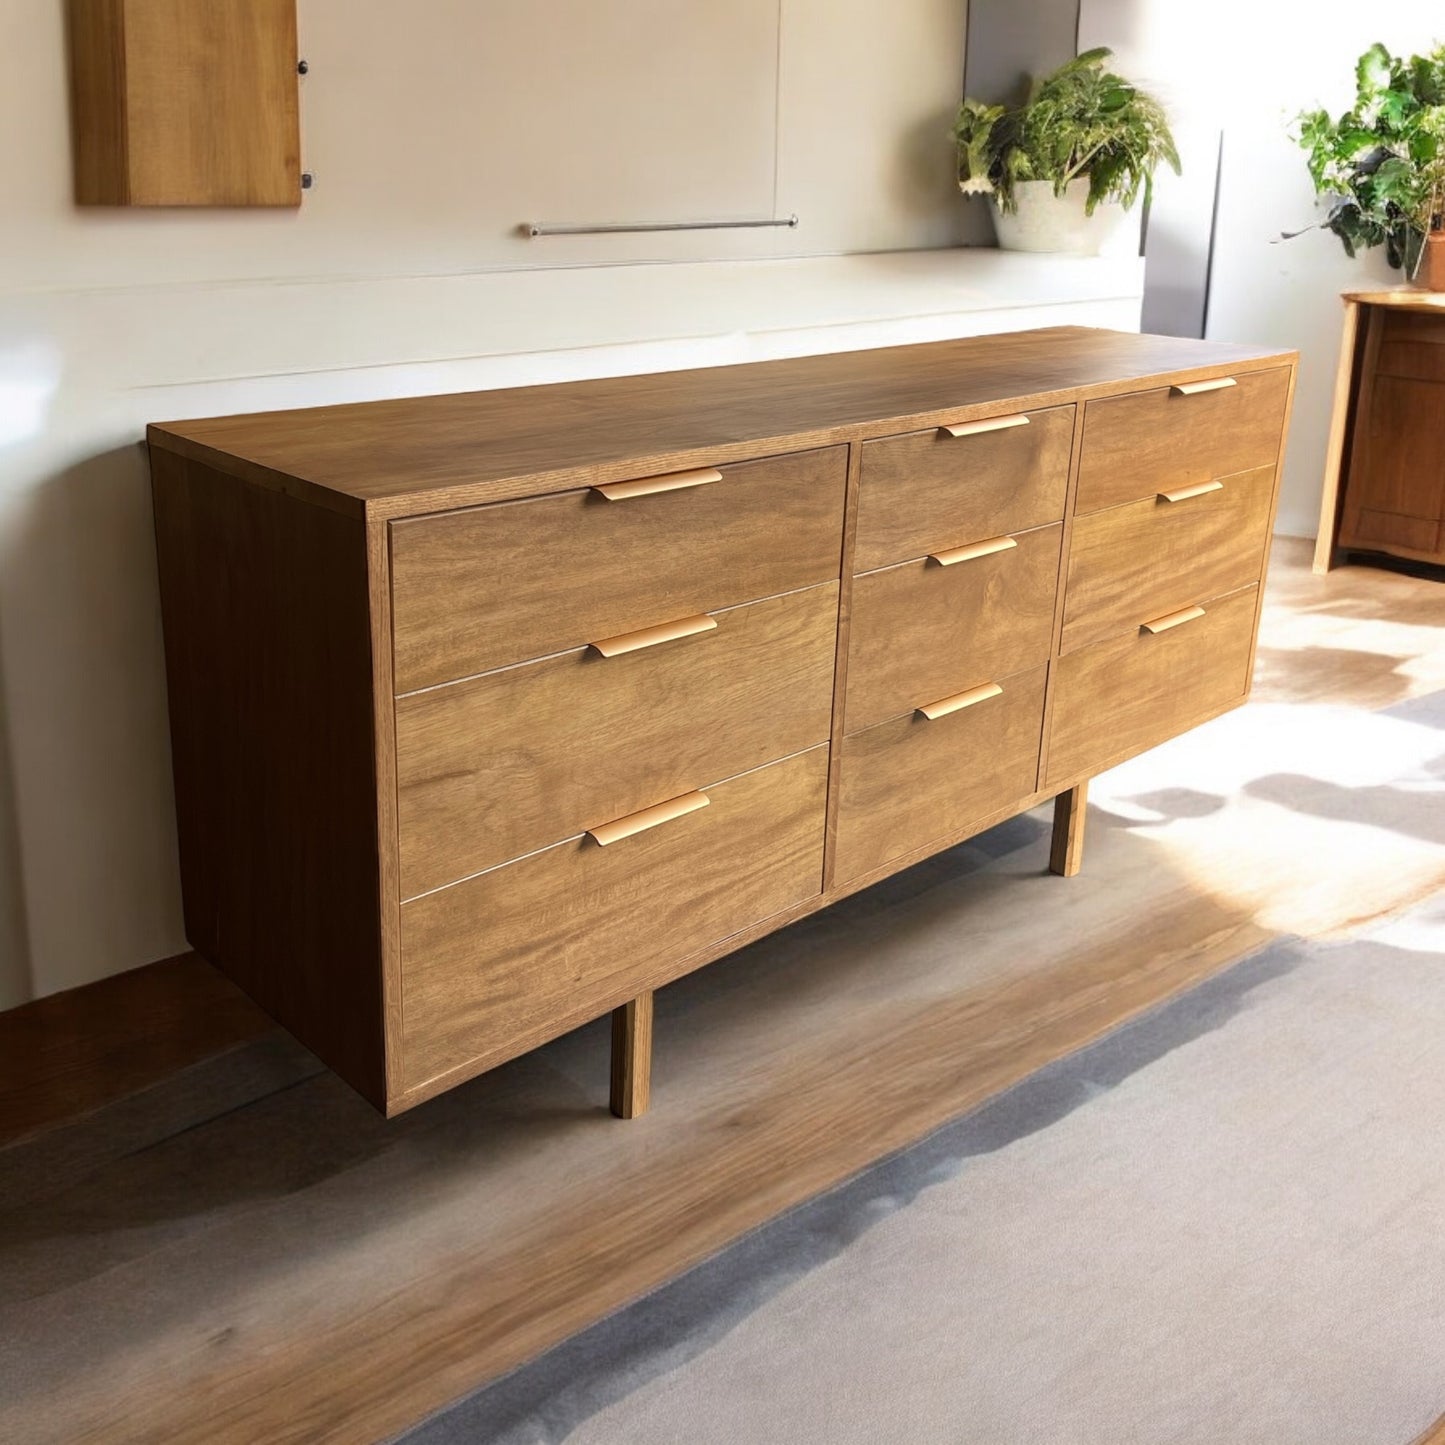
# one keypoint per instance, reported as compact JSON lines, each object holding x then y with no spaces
{"x":1118,"y":698}
{"x":505,"y":763}
{"x":493,"y":585}
{"x":912,"y":780}
{"x":1140,"y":560}
{"x":930,"y":490}
{"x":498,"y":964}
{"x":1153,"y":441}
{"x":925,"y":630}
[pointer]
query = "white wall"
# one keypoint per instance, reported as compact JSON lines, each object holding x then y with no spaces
{"x":387,"y":282}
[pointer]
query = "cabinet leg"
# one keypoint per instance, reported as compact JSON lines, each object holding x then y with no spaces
{"x":1066,"y":856}
{"x":632,"y":1057}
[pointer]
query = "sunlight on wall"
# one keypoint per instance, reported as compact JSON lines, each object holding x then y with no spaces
{"x":29,"y":379}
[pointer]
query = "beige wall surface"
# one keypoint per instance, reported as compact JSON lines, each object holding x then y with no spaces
{"x":433,"y":128}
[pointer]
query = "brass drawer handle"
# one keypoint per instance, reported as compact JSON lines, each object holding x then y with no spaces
{"x":1173,"y":619}
{"x":1194,"y":388}
{"x":647,"y":486}
{"x":652,"y":817}
{"x":991,"y":423}
{"x":651,"y":636}
{"x":960,"y":700}
{"x":974,"y":549}
{"x":1183,"y":494}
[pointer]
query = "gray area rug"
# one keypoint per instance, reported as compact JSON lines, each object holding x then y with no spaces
{"x":1223,"y":1223}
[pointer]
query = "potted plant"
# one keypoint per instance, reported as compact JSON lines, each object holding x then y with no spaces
{"x":1382,"y":163}
{"x":1064,"y":168}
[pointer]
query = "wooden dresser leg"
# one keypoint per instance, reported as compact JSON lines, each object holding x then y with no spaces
{"x":632,"y":1057}
{"x":1066,"y":856}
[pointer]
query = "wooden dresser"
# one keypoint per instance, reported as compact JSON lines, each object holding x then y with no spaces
{"x":492,"y":713}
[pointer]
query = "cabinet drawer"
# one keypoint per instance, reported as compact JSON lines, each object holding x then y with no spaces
{"x":1364,"y":528}
{"x":1141,"y":560}
{"x":505,"y":763}
{"x":1412,"y":344}
{"x":1154,"y":441}
{"x":498,"y":964}
{"x":493,"y":585}
{"x":909,"y":781}
{"x":1118,"y":698}
{"x":923,"y":630}
{"x":929,"y":491}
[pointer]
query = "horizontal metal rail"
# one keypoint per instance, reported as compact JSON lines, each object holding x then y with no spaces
{"x":550,"y":228}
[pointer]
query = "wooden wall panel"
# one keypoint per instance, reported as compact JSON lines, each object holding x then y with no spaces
{"x":185,"y":102}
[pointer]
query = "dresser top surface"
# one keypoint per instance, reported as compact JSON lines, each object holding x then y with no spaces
{"x":426,"y":453}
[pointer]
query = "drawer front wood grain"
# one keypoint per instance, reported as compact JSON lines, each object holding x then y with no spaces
{"x":923,"y":631}
{"x":505,"y":763}
{"x":501,"y":963}
{"x":928,"y":491}
{"x":1152,"y":441}
{"x":1118,"y":698}
{"x":909,"y":781}
{"x":1146,"y":558}
{"x":490,"y":586}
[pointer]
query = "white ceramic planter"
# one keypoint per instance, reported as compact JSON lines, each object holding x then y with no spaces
{"x":1046,"y":222}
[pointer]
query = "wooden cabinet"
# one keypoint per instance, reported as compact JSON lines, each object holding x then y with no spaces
{"x":1385,"y":475}
{"x":492,"y":714}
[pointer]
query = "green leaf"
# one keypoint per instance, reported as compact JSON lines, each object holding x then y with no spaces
{"x":1372,"y":72}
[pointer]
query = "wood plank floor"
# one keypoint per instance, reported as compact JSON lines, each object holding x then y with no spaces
{"x":207,"y":1238}
{"x":74,"y":1052}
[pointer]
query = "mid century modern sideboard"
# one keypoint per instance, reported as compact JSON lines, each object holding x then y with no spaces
{"x":492,"y":713}
{"x":1385,"y":466}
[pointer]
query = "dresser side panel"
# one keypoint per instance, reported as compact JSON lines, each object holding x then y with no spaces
{"x":269,"y":669}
